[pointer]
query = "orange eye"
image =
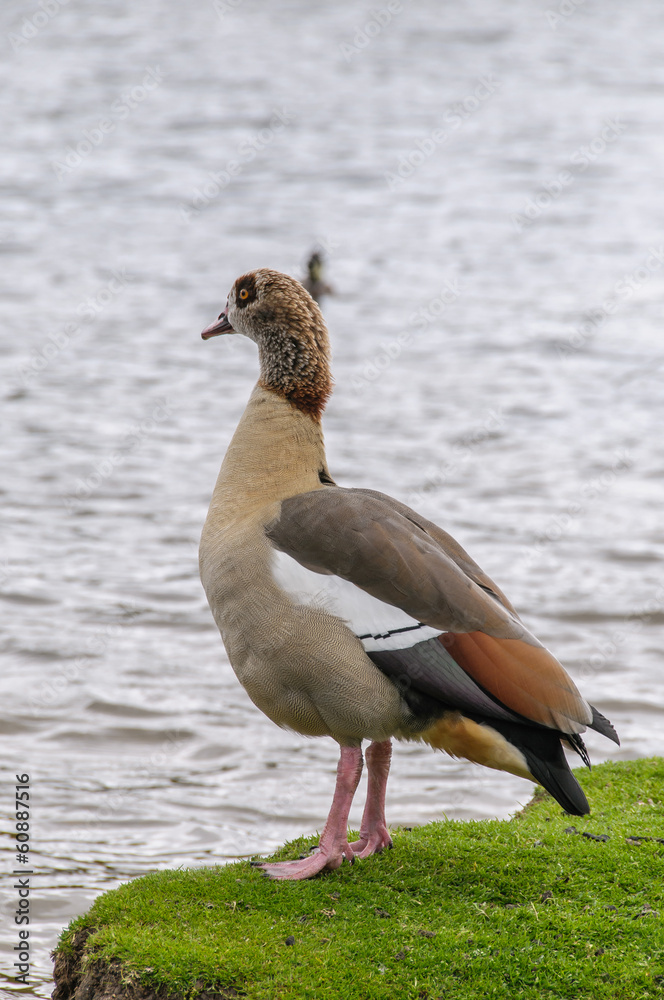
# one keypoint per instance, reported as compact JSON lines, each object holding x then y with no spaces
{"x":244,"y":294}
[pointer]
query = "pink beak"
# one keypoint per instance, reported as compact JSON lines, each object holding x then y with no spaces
{"x":220,"y":325}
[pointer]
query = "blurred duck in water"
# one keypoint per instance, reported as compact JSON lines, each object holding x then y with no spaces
{"x":315,"y":282}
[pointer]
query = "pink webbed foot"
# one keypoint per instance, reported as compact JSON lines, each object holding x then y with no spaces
{"x":372,"y":843}
{"x":333,"y":847}
{"x":321,"y":860}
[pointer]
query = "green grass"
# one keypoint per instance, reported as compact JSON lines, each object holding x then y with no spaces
{"x":490,"y":909}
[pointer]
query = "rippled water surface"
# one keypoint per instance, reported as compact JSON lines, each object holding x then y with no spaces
{"x":486,"y":178}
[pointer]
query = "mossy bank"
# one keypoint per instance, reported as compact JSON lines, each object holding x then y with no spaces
{"x":541,"y":906}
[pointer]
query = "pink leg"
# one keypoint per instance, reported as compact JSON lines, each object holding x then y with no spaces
{"x":333,"y":847}
{"x":374,"y":835}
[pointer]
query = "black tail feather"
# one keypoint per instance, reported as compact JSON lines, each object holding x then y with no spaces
{"x":546,"y":761}
{"x":559,"y":781}
{"x":602,"y":725}
{"x":576,"y":743}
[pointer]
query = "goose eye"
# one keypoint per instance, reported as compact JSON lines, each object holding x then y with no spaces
{"x":244,"y":294}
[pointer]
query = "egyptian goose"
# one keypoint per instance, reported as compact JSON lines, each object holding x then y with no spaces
{"x":314,"y":281}
{"x":346,"y":614}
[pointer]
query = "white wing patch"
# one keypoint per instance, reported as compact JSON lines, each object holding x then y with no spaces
{"x":379,"y":626}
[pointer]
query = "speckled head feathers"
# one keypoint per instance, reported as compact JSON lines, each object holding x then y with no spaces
{"x":276,"y":312}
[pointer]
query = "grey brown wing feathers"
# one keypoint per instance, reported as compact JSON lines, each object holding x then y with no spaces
{"x":366,"y":539}
{"x":447,"y":542}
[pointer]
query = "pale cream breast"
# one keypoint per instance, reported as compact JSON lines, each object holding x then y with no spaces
{"x":300,"y":665}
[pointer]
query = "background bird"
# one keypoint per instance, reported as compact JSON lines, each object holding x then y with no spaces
{"x":346,"y":614}
{"x":314,"y":281}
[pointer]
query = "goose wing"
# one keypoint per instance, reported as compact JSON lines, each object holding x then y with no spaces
{"x":434,"y":617}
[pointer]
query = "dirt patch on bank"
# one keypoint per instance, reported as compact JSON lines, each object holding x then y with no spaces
{"x":76,"y":979}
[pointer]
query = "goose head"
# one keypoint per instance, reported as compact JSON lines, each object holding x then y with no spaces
{"x":280,"y":316}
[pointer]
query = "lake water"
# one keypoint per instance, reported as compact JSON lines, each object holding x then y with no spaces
{"x":486,"y":180}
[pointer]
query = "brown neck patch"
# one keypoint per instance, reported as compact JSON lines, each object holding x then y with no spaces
{"x":310,"y":400}
{"x":294,"y":363}
{"x":309,"y":395}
